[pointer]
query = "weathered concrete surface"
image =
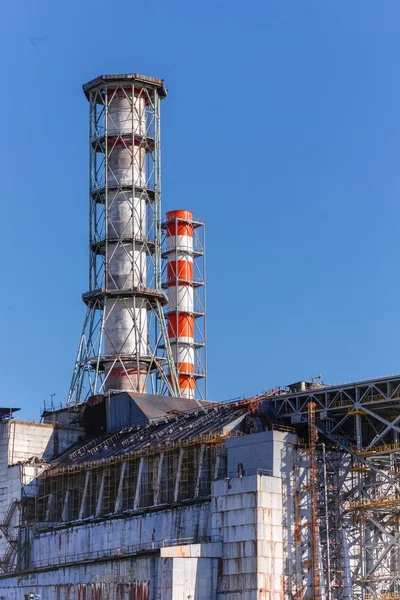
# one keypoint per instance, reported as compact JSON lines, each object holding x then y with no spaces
{"x":247,"y":514}
{"x":212,"y":550}
{"x":21,"y":442}
{"x":239,"y":550}
{"x":262,"y":450}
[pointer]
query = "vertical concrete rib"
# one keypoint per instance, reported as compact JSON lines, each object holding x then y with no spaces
{"x":178,"y":474}
{"x":216,"y":465}
{"x":119,"y":498}
{"x":49,"y":507}
{"x":157,"y":486}
{"x":99,"y":505}
{"x":65,"y":509}
{"x":84,"y":496}
{"x":199,"y":470}
{"x":138,"y":484}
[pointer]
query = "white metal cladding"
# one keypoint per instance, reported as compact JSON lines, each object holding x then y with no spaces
{"x":124,"y":342}
{"x":180,"y":244}
{"x":183,"y":351}
{"x":126,"y":319}
{"x":126,"y":111}
{"x":180,"y":298}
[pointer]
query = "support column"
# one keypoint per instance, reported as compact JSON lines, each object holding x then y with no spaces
{"x":84,"y":496}
{"x":64,"y":514}
{"x":217,"y":461}
{"x":49,"y":507}
{"x":119,"y":498}
{"x":200,"y":467}
{"x":99,"y":504}
{"x":157,"y":486}
{"x":138,"y":484}
{"x":178,"y":474}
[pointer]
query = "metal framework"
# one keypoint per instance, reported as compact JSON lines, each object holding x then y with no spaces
{"x":124,"y":342}
{"x":359,"y":482}
{"x":151,"y":477}
{"x":313,"y":489}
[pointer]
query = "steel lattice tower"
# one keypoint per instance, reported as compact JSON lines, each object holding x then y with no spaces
{"x":124,"y":343}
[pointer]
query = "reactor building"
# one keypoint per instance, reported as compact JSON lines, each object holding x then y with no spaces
{"x":140,"y":487}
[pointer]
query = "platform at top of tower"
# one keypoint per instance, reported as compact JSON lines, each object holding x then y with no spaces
{"x":120,"y":78}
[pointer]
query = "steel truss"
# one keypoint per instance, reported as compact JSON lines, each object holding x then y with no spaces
{"x":138,"y":186}
{"x":359,"y":491}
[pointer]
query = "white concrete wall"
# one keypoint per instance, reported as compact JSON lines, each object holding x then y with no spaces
{"x":20,"y":442}
{"x":265,"y":450}
{"x":247,"y":513}
{"x":115,"y":534}
{"x":4,"y":484}
{"x":194,"y":578}
{"x":29,"y":439}
{"x":101,"y":581}
{"x":165,"y":578}
{"x":194,"y":570}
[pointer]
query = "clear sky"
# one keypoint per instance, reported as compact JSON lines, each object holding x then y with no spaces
{"x":281,"y":131}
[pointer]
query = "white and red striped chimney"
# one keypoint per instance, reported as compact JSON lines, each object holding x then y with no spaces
{"x":181,"y":312}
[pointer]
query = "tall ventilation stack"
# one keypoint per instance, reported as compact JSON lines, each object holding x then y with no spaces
{"x":124,"y":343}
{"x":185,"y":313}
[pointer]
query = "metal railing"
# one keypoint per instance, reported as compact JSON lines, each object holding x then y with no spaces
{"x":96,"y":555}
{"x":111,"y":553}
{"x":191,"y":540}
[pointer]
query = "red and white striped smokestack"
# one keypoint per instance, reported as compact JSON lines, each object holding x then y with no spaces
{"x":180,"y":311}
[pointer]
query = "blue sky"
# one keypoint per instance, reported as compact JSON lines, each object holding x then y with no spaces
{"x":281,"y":131}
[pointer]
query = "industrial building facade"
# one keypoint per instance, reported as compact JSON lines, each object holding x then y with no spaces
{"x":140,"y":488}
{"x":221,"y":500}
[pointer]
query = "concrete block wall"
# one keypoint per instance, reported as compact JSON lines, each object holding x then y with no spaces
{"x":194,"y":570}
{"x":268,"y":450}
{"x":10,"y":486}
{"x":4,"y":484}
{"x":19,"y":442}
{"x":30,"y":439}
{"x":174,"y":578}
{"x":115,"y":534}
{"x":194,"y":578}
{"x":102,"y":581}
{"x":9,"y":494}
{"x":247,"y":513}
{"x":270,"y":551}
{"x":65,"y":437}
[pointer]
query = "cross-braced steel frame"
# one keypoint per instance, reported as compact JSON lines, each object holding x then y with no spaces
{"x":359,"y":473}
{"x":137,"y":186}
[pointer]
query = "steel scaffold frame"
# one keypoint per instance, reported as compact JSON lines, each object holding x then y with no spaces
{"x":363,"y":421}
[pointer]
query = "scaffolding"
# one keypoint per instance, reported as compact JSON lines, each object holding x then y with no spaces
{"x":313,"y":490}
{"x":148,"y":478}
{"x":333,"y":465}
{"x":362,"y":420}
